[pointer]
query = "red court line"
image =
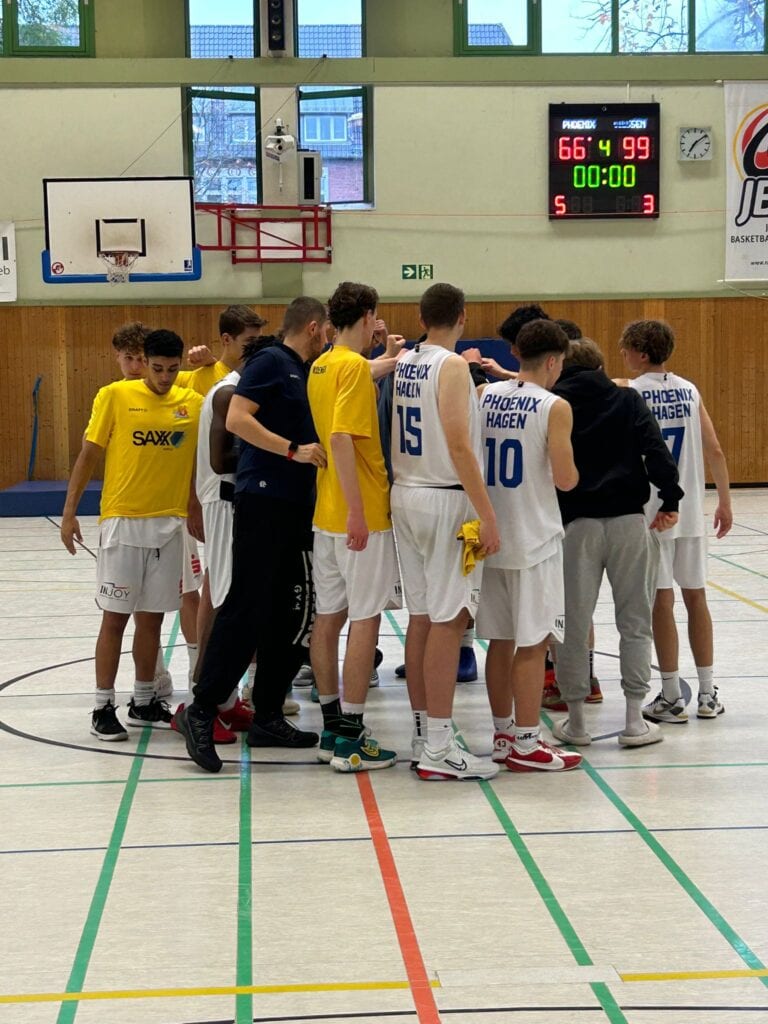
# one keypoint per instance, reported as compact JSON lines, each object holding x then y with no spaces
{"x":421,"y":989}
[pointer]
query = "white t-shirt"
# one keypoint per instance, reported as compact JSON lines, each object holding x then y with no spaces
{"x":207,"y":481}
{"x":514,"y":416}
{"x":420,"y":456}
{"x":676,"y":404}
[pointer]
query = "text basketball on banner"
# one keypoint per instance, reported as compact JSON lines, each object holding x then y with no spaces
{"x":8,"y":291}
{"x":746,"y":227}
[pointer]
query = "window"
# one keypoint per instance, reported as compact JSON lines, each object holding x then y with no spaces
{"x":46,"y":28}
{"x":609,"y":26}
{"x":336,"y":122}
{"x":329,"y":29}
{"x":223,"y":147}
{"x":219,"y":29}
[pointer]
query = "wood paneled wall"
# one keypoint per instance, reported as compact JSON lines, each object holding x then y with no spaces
{"x":721,"y":346}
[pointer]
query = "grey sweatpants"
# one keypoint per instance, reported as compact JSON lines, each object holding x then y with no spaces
{"x":629,"y":552}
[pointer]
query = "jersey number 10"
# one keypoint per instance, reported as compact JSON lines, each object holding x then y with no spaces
{"x":508,"y":466}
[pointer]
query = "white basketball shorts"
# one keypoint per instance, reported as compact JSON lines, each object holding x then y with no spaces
{"x":217,"y":522}
{"x":524,"y":605}
{"x":683,"y":560}
{"x":131,"y":579}
{"x":192,"y":566}
{"x":364,"y":582}
{"x":426,"y":521}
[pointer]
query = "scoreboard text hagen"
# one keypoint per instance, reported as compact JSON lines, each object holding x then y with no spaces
{"x":603,"y":160}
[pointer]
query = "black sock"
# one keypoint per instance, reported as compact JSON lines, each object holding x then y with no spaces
{"x":350,"y":726}
{"x":331,"y":715}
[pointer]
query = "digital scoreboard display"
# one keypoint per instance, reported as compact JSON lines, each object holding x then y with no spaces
{"x":603,"y":160}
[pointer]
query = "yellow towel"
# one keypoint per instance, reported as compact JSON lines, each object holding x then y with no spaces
{"x":470,"y":535}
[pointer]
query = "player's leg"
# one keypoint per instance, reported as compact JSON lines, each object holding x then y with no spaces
{"x":495,"y":622}
{"x":632,"y":557}
{"x":691,"y":574}
{"x":191,"y":581}
{"x":668,"y":705}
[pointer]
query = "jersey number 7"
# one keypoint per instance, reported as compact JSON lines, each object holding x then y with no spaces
{"x":675,"y":435}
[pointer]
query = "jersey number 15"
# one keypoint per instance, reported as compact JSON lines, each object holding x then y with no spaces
{"x":410,"y":430}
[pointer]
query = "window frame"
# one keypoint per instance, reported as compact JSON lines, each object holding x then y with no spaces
{"x":188,"y":94}
{"x":365,"y":93}
{"x":463,"y":49}
{"x":12,"y":47}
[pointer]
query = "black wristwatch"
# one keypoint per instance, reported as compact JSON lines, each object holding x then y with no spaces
{"x":293,"y":447}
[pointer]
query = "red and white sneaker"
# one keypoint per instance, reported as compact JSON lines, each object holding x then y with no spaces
{"x":502,"y":744}
{"x":238,"y":718}
{"x":542,"y":758}
{"x":221,"y":734}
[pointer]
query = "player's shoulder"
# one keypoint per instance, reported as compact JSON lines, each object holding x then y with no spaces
{"x":186,"y":396}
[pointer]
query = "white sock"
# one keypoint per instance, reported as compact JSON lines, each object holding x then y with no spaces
{"x":143,"y":692}
{"x":104,"y":697}
{"x":706,"y":679}
{"x":192,"y":655}
{"x":230,"y":702}
{"x":439,"y":733}
{"x":636,"y":724}
{"x":327,"y":698}
{"x":526,"y":737}
{"x":469,"y":637}
{"x":505,"y":724}
{"x":352,"y":709}
{"x":160,"y":663}
{"x":670,"y":686}
{"x":576,"y":722}
{"x":251,"y":674}
{"x":420,"y":725}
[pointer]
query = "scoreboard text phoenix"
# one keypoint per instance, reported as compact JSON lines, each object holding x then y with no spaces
{"x":603,"y":160}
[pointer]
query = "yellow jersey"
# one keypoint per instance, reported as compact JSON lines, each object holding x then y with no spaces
{"x":203,"y":378}
{"x":342,"y":397}
{"x":150,"y":442}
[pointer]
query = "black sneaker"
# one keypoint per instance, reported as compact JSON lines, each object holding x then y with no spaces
{"x":400,"y":671}
{"x":196,"y":726}
{"x":279,"y":733}
{"x":156,"y":713}
{"x":378,"y":657}
{"x":105,"y":724}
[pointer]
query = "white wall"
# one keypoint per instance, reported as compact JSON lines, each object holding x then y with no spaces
{"x":460,"y":182}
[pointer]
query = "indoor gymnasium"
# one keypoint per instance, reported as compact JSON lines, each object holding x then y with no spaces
{"x":384,"y":515}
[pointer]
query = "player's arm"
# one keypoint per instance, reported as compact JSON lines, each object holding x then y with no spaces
{"x":241,"y":421}
{"x":559,"y":429}
{"x":384,"y":364}
{"x":496,"y":369}
{"x":343,"y":450}
{"x":82,"y":471}
{"x":195,"y":512}
{"x":718,"y":467}
{"x":220,"y":441}
{"x":453,"y":409}
{"x":200,"y":355}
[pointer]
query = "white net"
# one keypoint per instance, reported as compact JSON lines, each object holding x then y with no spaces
{"x":118,"y":264}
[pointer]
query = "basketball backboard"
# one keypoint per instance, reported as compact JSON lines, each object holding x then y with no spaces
{"x":86,"y":218}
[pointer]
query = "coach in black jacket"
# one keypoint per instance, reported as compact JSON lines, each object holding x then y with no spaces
{"x":619,"y":452}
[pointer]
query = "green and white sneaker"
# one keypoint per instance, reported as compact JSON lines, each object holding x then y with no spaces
{"x":360,"y":755}
{"x":327,"y":743}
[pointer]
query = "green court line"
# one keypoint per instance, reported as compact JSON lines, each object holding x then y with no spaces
{"x":736,"y":565}
{"x":396,"y":626}
{"x":244,"y":1001}
{"x":87,"y":942}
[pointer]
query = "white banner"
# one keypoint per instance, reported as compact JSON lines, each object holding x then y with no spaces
{"x":7,"y":262}
{"x":746,"y":157}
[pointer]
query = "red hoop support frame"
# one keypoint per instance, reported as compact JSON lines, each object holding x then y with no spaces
{"x":251,"y":233}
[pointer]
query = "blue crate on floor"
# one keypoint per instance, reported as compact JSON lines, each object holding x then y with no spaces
{"x":46,"y":498}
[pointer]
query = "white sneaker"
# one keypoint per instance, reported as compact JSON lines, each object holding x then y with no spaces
{"x":417,"y":749}
{"x":453,"y":763}
{"x":662,"y":710}
{"x":710,"y":705}
{"x":502,"y":745}
{"x":291,"y":707}
{"x":163,"y":684}
{"x":374,"y":679}
{"x":305,"y":676}
{"x":652,"y":734}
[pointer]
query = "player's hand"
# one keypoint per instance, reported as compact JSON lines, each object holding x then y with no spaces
{"x":723,"y":520}
{"x":357,"y":531}
{"x":472,"y":355}
{"x":70,"y":532}
{"x":496,"y":370}
{"x":395,"y":344}
{"x":490,"y":540}
{"x":664,"y":521}
{"x":195,"y":521}
{"x":380,"y":333}
{"x":313,"y":453}
{"x":200,"y":355}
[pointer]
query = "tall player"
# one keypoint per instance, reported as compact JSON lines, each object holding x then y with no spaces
{"x":528,"y":453}
{"x":438,"y":485}
{"x":686,"y":427}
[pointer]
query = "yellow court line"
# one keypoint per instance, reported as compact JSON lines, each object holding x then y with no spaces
{"x":220,"y":990}
{"x":695,"y":975}
{"x":739,"y":597}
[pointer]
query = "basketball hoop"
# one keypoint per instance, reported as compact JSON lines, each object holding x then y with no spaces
{"x":119,"y":263}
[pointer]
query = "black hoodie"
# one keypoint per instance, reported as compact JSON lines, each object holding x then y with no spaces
{"x":617,"y":448}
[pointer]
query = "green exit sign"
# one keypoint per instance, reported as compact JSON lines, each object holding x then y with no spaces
{"x":418,"y":271}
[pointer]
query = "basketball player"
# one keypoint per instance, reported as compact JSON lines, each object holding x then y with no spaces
{"x":148,"y":429}
{"x":438,"y":486}
{"x":354,"y":565}
{"x":528,"y":453}
{"x":686,"y":427}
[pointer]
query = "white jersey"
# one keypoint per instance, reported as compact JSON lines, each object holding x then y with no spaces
{"x":514,"y":416}
{"x":207,"y":482}
{"x":675,"y":403}
{"x":420,"y":456}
